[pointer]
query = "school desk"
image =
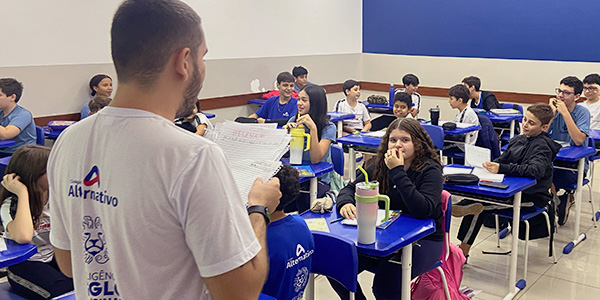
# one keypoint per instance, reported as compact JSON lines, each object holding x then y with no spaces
{"x":496,"y":196}
{"x":400,"y":234}
{"x":353,"y":140}
{"x":504,"y":118}
{"x":15,"y":253}
{"x":319,"y":168}
{"x":209,"y":115}
{"x":575,"y":154}
{"x":338,"y":118}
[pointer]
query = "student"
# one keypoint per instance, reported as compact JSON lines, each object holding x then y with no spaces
{"x":459,"y":99}
{"x":527,"y":155}
{"x":571,"y":125}
{"x":480,"y":99}
{"x":196,"y":122}
{"x":411,"y":85}
{"x":350,"y":104}
{"x":25,"y":217}
{"x":166,"y":219}
{"x":100,"y":84}
{"x":279,"y":107}
{"x":402,"y":105}
{"x":300,"y":78}
{"x":312,"y":111}
{"x":591,"y":90}
{"x":408,"y":170}
{"x":288,"y":239}
{"x":16,"y":122}
{"x":97,"y":103}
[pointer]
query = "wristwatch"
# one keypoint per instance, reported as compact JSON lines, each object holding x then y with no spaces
{"x":263,"y":210}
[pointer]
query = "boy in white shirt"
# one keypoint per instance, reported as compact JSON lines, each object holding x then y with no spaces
{"x":591,"y":90}
{"x":459,"y":99}
{"x":350,"y":104}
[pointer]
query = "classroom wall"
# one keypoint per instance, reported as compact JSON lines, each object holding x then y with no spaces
{"x":55,"y":47}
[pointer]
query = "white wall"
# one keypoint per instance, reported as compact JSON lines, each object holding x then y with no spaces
{"x":55,"y":47}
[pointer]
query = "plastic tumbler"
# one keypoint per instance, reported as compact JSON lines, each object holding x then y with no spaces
{"x":297,"y":145}
{"x":367,"y":197}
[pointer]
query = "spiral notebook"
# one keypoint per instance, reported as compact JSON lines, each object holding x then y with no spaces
{"x":394,"y":214}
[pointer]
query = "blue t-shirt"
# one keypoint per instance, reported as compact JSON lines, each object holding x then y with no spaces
{"x":23,"y":119}
{"x":85,"y":111}
{"x":558,"y":128}
{"x":273,"y":110}
{"x":291,"y":246}
{"x":297,"y":88}
{"x":329,"y":132}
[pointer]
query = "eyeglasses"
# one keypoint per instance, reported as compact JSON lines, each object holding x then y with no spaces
{"x":590,"y":88}
{"x":565,"y":93}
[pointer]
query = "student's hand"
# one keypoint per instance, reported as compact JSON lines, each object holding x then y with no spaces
{"x":561,"y":107}
{"x":290,"y":125}
{"x":552,"y":102}
{"x":492,"y":167}
{"x":394,"y":158}
{"x":348,"y":211}
{"x":12,"y":183}
{"x":265,"y":193}
{"x":307,"y":121}
{"x":260,"y":120}
{"x":414,"y":112}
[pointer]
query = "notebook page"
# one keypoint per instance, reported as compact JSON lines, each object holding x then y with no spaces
{"x":246,"y":171}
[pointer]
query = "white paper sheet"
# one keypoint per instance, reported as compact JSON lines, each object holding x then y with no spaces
{"x":483,"y":174}
{"x":454,"y":170}
{"x":476,"y":156}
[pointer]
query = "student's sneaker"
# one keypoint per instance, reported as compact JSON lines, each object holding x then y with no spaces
{"x":566,"y":202}
{"x":465,"y":210}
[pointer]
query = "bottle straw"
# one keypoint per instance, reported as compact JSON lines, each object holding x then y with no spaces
{"x":364,"y":173}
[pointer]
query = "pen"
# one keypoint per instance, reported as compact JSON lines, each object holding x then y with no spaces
{"x":485,"y":180}
{"x":336,"y":220}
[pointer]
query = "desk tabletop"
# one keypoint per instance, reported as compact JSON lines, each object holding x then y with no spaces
{"x":574,"y":153}
{"x":318,"y":168}
{"x":7,"y":143}
{"x":257,"y":101}
{"x":339,"y":116}
{"x":458,"y":131}
{"x":209,"y":115}
{"x":360,"y":140}
{"x":515,"y":185}
{"x":16,"y":253}
{"x":502,"y":118}
{"x":402,"y":232}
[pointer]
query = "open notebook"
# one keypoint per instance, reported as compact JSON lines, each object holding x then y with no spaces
{"x":476,"y":156}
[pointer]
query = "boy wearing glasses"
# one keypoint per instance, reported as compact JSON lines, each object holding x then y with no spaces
{"x":591,"y":90}
{"x":571,"y":124}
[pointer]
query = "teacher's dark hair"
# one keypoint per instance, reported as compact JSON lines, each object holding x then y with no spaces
{"x":146,"y":33}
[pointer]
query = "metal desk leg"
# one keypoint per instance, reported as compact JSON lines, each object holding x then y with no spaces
{"x":512,"y":129}
{"x":352,"y":164}
{"x":313,"y":190}
{"x":513,"y":286}
{"x":577,"y":238}
{"x":406,"y":270}
{"x":340,"y":128}
{"x":309,"y":293}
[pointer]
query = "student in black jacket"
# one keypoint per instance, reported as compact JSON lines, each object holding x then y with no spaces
{"x":480,"y":99}
{"x":528,"y":155}
{"x":408,"y":170}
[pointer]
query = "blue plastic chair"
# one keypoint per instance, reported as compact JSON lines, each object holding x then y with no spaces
{"x":39,"y":136}
{"x":342,"y":267}
{"x":436,"y":133}
{"x":337,"y":158}
{"x":524,"y":217}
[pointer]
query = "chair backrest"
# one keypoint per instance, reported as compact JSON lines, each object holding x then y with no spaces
{"x":436,"y":133}
{"x":342,"y":266}
{"x":447,"y":213}
{"x":513,"y":106}
{"x":337,"y":158}
{"x":487,"y":137}
{"x":39,"y":135}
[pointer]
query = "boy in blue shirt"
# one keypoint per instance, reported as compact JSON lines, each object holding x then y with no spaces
{"x":290,"y":244}
{"x":282,"y":106}
{"x":16,"y":122}
{"x":301,"y":76}
{"x":572,"y":125}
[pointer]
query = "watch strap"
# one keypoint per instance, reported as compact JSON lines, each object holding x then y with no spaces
{"x":263,"y":210}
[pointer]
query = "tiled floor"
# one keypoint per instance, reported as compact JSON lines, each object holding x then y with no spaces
{"x":575,"y":276}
